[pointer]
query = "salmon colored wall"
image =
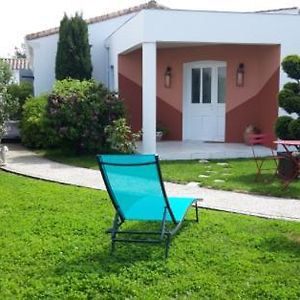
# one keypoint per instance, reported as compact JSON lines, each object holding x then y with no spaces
{"x":255,"y":103}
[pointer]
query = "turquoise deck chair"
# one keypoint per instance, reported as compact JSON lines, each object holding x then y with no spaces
{"x":134,"y":184}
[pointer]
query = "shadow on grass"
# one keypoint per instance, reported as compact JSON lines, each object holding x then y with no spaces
{"x":102,"y":262}
{"x":286,"y":243}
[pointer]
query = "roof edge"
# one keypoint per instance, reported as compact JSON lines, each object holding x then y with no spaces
{"x":16,"y":63}
{"x":276,"y":9}
{"x":148,"y":5}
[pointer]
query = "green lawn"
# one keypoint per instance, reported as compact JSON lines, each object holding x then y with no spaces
{"x":238,"y":176}
{"x":53,"y":246}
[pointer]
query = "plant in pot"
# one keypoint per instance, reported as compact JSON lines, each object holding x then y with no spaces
{"x":250,"y":129}
{"x":161,"y":131}
{"x":287,"y":127}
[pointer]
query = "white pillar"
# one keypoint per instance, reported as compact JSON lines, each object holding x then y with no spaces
{"x":149,"y":98}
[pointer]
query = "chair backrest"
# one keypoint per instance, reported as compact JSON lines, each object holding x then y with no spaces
{"x":133,"y":178}
{"x":260,"y":139}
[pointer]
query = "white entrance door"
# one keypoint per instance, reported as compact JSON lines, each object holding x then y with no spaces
{"x":204,"y":101}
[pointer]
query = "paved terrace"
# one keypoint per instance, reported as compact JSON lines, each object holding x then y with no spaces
{"x":22,"y":161}
{"x":172,"y":150}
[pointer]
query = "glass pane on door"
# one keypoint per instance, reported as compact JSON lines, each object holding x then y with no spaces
{"x":196,"y":86}
{"x":221,"y":84}
{"x":206,"y":83}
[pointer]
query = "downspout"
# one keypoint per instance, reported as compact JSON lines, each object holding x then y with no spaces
{"x":108,"y":67}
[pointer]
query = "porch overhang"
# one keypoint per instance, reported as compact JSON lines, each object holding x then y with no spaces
{"x":152,"y":29}
{"x":184,"y":26}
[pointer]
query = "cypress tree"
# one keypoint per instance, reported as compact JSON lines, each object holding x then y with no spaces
{"x":73,"y":57}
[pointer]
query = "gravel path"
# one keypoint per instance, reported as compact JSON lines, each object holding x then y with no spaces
{"x":22,"y":161}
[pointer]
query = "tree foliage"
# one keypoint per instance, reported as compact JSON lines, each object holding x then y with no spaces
{"x":20,"y":92}
{"x":289,"y":100}
{"x":34,"y":132}
{"x":5,"y":77}
{"x":20,"y":52}
{"x":73,"y":57}
{"x":5,"y":74}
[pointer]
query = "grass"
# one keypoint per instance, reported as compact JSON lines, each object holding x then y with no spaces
{"x":239,"y":175}
{"x":53,"y":246}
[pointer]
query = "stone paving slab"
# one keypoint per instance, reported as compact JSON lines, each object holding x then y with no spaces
{"x":24,"y":162}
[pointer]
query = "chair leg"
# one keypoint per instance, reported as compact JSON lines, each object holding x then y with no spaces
{"x":197,"y":212}
{"x":168,"y":241}
{"x":113,"y":246}
{"x":114,"y":231}
{"x":259,"y":168}
{"x":163,"y":224}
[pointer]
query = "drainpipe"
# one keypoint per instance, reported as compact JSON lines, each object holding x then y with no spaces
{"x":108,"y":67}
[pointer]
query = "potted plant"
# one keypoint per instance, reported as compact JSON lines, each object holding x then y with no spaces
{"x":250,"y":129}
{"x":161,"y":131}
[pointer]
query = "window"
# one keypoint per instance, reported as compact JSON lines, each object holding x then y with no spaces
{"x":221,"y":84}
{"x":206,"y":83}
{"x":195,"y":86}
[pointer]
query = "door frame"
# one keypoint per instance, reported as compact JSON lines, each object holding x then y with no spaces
{"x":186,"y":84}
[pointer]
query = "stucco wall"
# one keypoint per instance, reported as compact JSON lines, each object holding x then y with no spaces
{"x":44,"y":53}
{"x":255,"y":103}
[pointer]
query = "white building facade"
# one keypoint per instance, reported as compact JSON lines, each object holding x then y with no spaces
{"x":203,"y":51}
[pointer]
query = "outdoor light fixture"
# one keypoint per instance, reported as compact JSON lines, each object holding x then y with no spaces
{"x":240,"y":75}
{"x":168,"y":77}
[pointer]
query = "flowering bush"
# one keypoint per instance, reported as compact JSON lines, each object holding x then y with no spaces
{"x":120,"y":137}
{"x":78,"y":111}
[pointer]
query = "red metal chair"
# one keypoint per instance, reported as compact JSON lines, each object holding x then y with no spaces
{"x":265,"y":140}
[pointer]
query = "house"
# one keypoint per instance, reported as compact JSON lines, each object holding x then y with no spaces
{"x":20,"y":69}
{"x":205,"y":75}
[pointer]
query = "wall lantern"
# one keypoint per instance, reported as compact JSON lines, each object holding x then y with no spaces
{"x":240,"y":75}
{"x":167,"y":77}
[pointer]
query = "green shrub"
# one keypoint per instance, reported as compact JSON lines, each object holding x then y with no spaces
{"x":5,"y":73}
{"x":291,"y":66}
{"x":6,"y":104}
{"x":282,"y":127}
{"x":289,"y":100}
{"x":294,"y":129}
{"x":34,"y":133}
{"x":120,"y":137}
{"x":3,"y":113}
{"x":20,"y":92}
{"x":78,"y":111}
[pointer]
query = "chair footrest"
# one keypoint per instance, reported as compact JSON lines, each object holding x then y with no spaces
{"x":138,"y":241}
{"x":111,"y":230}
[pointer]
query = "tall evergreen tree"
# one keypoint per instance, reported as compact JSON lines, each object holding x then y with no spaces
{"x":73,"y":57}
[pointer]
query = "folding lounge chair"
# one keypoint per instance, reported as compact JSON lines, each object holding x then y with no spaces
{"x":135,"y":186}
{"x":265,"y":140}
